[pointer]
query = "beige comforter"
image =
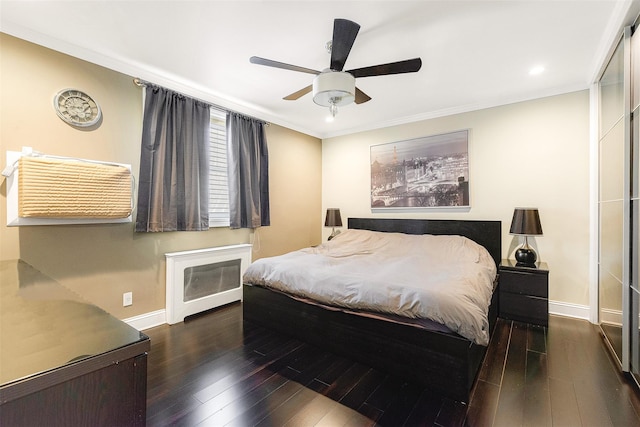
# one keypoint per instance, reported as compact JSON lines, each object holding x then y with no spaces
{"x":448,"y":279}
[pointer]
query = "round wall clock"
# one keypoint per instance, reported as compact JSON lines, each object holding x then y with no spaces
{"x":77,"y":108}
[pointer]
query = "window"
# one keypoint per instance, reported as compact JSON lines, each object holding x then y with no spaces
{"x":218,"y":180}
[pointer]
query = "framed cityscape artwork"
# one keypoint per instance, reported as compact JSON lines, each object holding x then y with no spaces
{"x":427,"y":172}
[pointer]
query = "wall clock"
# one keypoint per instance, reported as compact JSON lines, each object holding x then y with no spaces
{"x":77,"y":108}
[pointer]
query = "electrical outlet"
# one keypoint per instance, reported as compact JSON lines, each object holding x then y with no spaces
{"x":127,"y":299}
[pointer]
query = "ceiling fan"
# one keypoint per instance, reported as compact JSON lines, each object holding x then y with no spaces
{"x":334,"y":87}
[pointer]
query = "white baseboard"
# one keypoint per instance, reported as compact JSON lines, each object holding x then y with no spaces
{"x":147,"y":320}
{"x":612,"y":317}
{"x":159,"y":317}
{"x":566,"y":309}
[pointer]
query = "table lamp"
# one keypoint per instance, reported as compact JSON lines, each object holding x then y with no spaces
{"x":526,"y":222}
{"x":334,"y":220}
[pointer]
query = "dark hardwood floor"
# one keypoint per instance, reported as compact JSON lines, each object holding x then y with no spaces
{"x":212,"y":370}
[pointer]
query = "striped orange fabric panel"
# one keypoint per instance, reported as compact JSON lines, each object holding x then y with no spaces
{"x":53,"y":188}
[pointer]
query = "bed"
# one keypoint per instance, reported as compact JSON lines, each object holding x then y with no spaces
{"x":433,"y":356}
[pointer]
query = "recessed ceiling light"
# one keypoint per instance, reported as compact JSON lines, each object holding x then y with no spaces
{"x":539,"y":69}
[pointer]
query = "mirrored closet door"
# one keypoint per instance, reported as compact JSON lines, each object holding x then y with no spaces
{"x":610,"y":199}
{"x":635,"y":204}
{"x":618,"y":202}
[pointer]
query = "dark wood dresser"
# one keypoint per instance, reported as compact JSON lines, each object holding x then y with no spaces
{"x":524,"y":292}
{"x":64,"y":362}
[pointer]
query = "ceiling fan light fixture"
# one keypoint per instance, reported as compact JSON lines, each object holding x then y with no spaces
{"x":334,"y":88}
{"x":333,"y":109}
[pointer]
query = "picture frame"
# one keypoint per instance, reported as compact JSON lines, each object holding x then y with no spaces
{"x":425,"y":172}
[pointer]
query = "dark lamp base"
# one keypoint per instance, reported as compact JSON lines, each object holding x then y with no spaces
{"x":526,"y":257}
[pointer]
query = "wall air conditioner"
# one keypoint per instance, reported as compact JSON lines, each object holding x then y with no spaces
{"x":49,"y":190}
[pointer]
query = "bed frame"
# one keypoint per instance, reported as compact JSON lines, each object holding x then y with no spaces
{"x":445,"y":362}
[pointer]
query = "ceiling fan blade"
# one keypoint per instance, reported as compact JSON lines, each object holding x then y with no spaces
{"x":361,"y":97}
{"x":298,"y":94}
{"x":344,"y":34}
{"x":276,"y":64}
{"x":400,"y":67}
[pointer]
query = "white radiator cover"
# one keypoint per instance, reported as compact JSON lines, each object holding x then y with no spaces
{"x":203,"y":279}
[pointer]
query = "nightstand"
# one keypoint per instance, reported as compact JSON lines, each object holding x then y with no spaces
{"x":524,"y":292}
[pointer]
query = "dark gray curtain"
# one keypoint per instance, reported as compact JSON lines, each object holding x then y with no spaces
{"x":248,"y":163}
{"x":173,"y":188}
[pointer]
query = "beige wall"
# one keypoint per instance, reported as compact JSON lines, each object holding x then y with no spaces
{"x":528,"y":154}
{"x":101,"y":262}
{"x":532,"y":153}
{"x":295,"y":182}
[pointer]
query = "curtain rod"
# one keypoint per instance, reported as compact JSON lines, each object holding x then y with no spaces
{"x":142,"y":83}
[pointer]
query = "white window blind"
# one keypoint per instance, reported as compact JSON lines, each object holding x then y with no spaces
{"x":218,"y":181}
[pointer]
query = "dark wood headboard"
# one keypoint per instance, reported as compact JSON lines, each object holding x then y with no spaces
{"x":485,"y":233}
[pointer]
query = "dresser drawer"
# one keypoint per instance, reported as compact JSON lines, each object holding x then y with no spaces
{"x":524,"y":283}
{"x":524,"y":308}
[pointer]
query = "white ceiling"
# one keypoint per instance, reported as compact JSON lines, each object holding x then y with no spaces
{"x":475,"y":53}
